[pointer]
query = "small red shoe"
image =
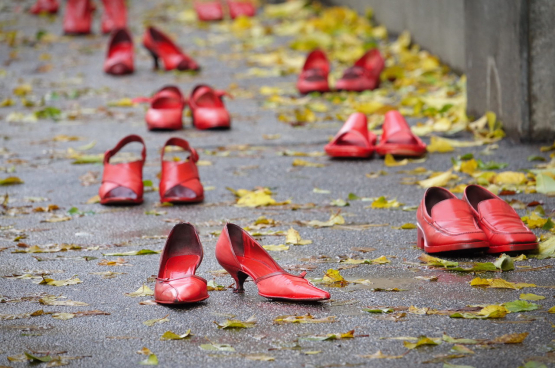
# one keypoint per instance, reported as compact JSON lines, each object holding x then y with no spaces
{"x":122,"y":183}
{"x":176,"y":282}
{"x":238,"y":8}
{"x":45,"y":6}
{"x":166,"y":109}
{"x":353,"y":140}
{"x":180,"y":181}
{"x":445,"y":223}
{"x":209,"y":11}
{"x":119,"y":58}
{"x":161,"y":46}
{"x":242,"y":256}
{"x":314,"y":77}
{"x":397,"y":138}
{"x":114,"y":16}
{"x":78,"y":17}
{"x":208,"y":109}
{"x":364,"y":75}
{"x":505,"y":230}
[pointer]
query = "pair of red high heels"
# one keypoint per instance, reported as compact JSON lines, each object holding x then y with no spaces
{"x":363,"y":75}
{"x":122,"y":183}
{"x":237,"y":252}
{"x":213,"y":10}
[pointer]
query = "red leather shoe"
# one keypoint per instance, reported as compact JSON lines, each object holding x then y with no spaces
{"x":78,"y":17}
{"x":122,"y":183}
{"x":176,"y":282}
{"x":209,"y":11}
{"x":45,"y":6}
{"x":242,"y":256}
{"x":353,"y":140}
{"x":114,"y":16}
{"x":314,"y":77}
{"x":166,"y":109}
{"x":505,"y":230}
{"x":445,"y":223}
{"x":180,"y":181}
{"x":397,"y":138}
{"x":161,"y":46}
{"x":119,"y":58}
{"x":208,"y":109}
{"x":364,"y":75}
{"x":238,"y":8}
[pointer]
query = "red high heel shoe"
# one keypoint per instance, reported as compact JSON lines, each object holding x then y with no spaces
{"x":209,"y":11}
{"x":176,"y":282}
{"x":353,"y":140}
{"x":238,"y":8}
{"x":314,"y":77}
{"x":364,"y":75}
{"x":242,"y":256}
{"x":78,"y":17}
{"x":114,"y":16}
{"x":45,"y":6}
{"x":208,"y":109}
{"x":397,"y":138}
{"x":166,"y":109}
{"x":119,"y":58}
{"x":180,"y":181}
{"x":161,"y":46}
{"x":122,"y":183}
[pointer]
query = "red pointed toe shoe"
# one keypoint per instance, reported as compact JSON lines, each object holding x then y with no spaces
{"x":397,"y":138}
{"x":445,"y":223}
{"x":45,"y":6}
{"x":122,"y":183}
{"x":314,"y":76}
{"x":505,"y":230}
{"x":353,"y":140}
{"x":208,"y":109}
{"x":176,"y":282}
{"x":119,"y":58}
{"x":166,"y":109}
{"x":240,"y":8}
{"x":78,"y":17}
{"x":364,"y":75}
{"x":161,"y":46}
{"x":114,"y":16}
{"x":209,"y":11}
{"x":242,"y":256}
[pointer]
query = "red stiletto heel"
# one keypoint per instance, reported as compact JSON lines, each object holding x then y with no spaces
{"x":314,"y":77}
{"x":114,"y":16}
{"x":119,"y":58}
{"x":161,"y":46}
{"x":45,"y":6}
{"x":78,"y":17}
{"x":207,"y":108}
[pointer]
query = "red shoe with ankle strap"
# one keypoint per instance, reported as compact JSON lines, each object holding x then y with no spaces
{"x":78,"y":17}
{"x":505,"y":230}
{"x":353,"y":140}
{"x":180,"y":181}
{"x":397,"y":138}
{"x":166,"y":109}
{"x":208,"y":109}
{"x":209,"y":11}
{"x":45,"y":6}
{"x":241,"y":8}
{"x":242,"y":256}
{"x":364,"y":75}
{"x":161,"y":46}
{"x":119,"y":58}
{"x":314,"y":76}
{"x":445,"y":223}
{"x":122,"y":183}
{"x":114,"y":16}
{"x":176,"y":282}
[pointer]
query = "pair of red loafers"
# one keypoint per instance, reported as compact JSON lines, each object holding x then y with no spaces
{"x":237,"y":252}
{"x":363,"y":75}
{"x":122,"y":183}
{"x":213,"y":10}
{"x":481,"y":220}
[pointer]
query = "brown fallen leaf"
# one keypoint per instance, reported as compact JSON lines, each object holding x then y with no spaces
{"x":515,"y":338}
{"x":307,"y":318}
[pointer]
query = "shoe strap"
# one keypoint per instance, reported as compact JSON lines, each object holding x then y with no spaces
{"x":180,"y":142}
{"x":181,"y":278}
{"x":130,"y":138}
{"x":277,"y":273}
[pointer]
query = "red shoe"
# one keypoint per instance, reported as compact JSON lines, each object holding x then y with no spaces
{"x":161,"y":46}
{"x":176,"y":282}
{"x":78,"y":17}
{"x":353,"y":140}
{"x":45,"y":6}
{"x":314,"y":77}
{"x":208,"y":109}
{"x":166,"y":109}
{"x":505,"y":230}
{"x":238,"y":8}
{"x":122,"y":183}
{"x":445,"y":223}
{"x":364,"y":75}
{"x":209,"y":11}
{"x":242,"y":256}
{"x":119,"y":58}
{"x":397,"y":138}
{"x":180,"y":181}
{"x":114,"y":16}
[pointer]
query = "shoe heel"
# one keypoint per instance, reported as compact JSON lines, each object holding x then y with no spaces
{"x":238,"y":276}
{"x":155,"y":57}
{"x":420,"y":239}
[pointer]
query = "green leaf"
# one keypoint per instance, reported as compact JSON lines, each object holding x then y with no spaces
{"x":217,"y":347}
{"x":147,"y":183}
{"x":141,"y":252}
{"x":504,"y":263}
{"x":151,"y":360}
{"x":11,"y":180}
{"x":169,"y":335}
{"x":536,"y":158}
{"x":533,"y":364}
{"x":520,"y":306}
{"x":531,"y":297}
{"x":353,"y":197}
{"x":549,"y":224}
{"x":492,"y":165}
{"x":545,"y":184}
{"x":339,"y":203}
{"x":49,"y":112}
{"x":34,"y":358}
{"x":379,"y":310}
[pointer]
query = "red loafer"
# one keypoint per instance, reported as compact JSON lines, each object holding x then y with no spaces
{"x":122,"y":183}
{"x":208,"y":109}
{"x":364,"y":75}
{"x":209,"y":11}
{"x":445,"y":223}
{"x":119,"y":58}
{"x":242,"y":256}
{"x":180,"y":181}
{"x":176,"y":282}
{"x":238,"y":8}
{"x":505,"y":230}
{"x":397,"y":138}
{"x":78,"y":17}
{"x":45,"y":6}
{"x":314,"y":76}
{"x":353,"y":140}
{"x":114,"y":16}
{"x":161,"y":46}
{"x":166,"y":109}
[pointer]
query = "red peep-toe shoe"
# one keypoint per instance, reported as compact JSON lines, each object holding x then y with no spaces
{"x":176,"y":282}
{"x":397,"y":138}
{"x":209,"y":11}
{"x":208,"y":109}
{"x":353,"y":140}
{"x":238,"y":8}
{"x":161,"y":46}
{"x":314,"y":76}
{"x":78,"y":17}
{"x":45,"y":6}
{"x":166,"y":109}
{"x":114,"y":16}
{"x":119,"y":58}
{"x":364,"y":75}
{"x":242,"y":256}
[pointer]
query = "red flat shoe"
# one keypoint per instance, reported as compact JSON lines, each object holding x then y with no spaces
{"x":505,"y":230}
{"x":119,"y":58}
{"x":122,"y":183}
{"x":238,"y":8}
{"x":242,"y":256}
{"x":45,"y":6}
{"x":114,"y":16}
{"x":176,"y":282}
{"x":314,"y":77}
{"x":353,"y":140}
{"x":208,"y":109}
{"x":161,"y":46}
{"x":78,"y":17}
{"x":180,"y":181}
{"x":445,"y":223}
{"x":364,"y":75}
{"x":209,"y":11}
{"x":397,"y":138}
{"x":166,"y":109}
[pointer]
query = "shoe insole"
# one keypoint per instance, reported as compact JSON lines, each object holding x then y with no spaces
{"x":401,"y":137}
{"x":180,"y":266}
{"x":352,"y":139}
{"x":121,"y":192}
{"x":255,"y":267}
{"x":180,"y":191}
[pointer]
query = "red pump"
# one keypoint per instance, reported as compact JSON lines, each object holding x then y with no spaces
{"x":114,"y":16}
{"x":161,"y":46}
{"x":78,"y":17}
{"x":119,"y":58}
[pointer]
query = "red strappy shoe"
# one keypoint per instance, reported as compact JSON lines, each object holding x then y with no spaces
{"x":208,"y":109}
{"x":119,"y":58}
{"x":180,"y":181}
{"x":114,"y":16}
{"x":364,"y":75}
{"x":45,"y":6}
{"x":353,"y":140}
{"x":242,"y":256}
{"x":166,"y":109}
{"x":397,"y":138}
{"x":314,"y":77}
{"x":238,"y":8}
{"x":122,"y":183}
{"x":161,"y":46}
{"x":176,"y":282}
{"x":209,"y":11}
{"x":78,"y":17}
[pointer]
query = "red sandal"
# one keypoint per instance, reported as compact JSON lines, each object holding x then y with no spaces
{"x":45,"y":6}
{"x":161,"y":46}
{"x":240,"y":8}
{"x":114,"y":16}
{"x":208,"y":109}
{"x":314,"y":77}
{"x":353,"y":140}
{"x":119,"y":58}
{"x":364,"y":75}
{"x":209,"y":11}
{"x":397,"y":138}
{"x":78,"y":17}
{"x":166,"y":109}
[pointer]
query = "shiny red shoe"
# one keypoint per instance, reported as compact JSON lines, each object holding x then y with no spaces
{"x":208,"y":109}
{"x":45,"y":6}
{"x":209,"y":11}
{"x":176,"y":282}
{"x":445,"y":223}
{"x":364,"y":75}
{"x":397,"y":138}
{"x":505,"y":230}
{"x":353,"y":140}
{"x":241,"y":8}
{"x":166,"y":109}
{"x":314,"y":76}
{"x":161,"y":46}
{"x":122,"y":183}
{"x":114,"y":16}
{"x":78,"y":17}
{"x":242,"y":256}
{"x":119,"y":58}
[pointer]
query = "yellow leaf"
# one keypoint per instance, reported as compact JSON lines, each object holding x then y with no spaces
{"x":515,"y":338}
{"x":509,"y":177}
{"x":293,"y":237}
{"x":234,"y":323}
{"x":551,"y":310}
{"x":493,"y":311}
{"x":300,"y":162}
{"x":307,"y":318}
{"x":11,"y":180}
{"x":335,"y":219}
{"x":276,"y":248}
{"x":382,"y":202}
{"x":142,"y":291}
{"x":390,"y":161}
{"x":381,"y":260}
{"x":333,"y":277}
{"x":421,"y":341}
{"x":440,"y":145}
{"x":436,"y":181}
{"x":169,"y":335}
{"x":499,"y":283}
{"x":469,"y":166}
{"x":22,"y":90}
{"x":152,"y":322}
{"x":380,"y":355}
{"x":124,"y":102}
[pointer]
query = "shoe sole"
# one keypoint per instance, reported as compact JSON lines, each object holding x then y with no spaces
{"x":421,"y":242}
{"x":512,"y":248}
{"x":180,"y":303}
{"x":293,"y":299}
